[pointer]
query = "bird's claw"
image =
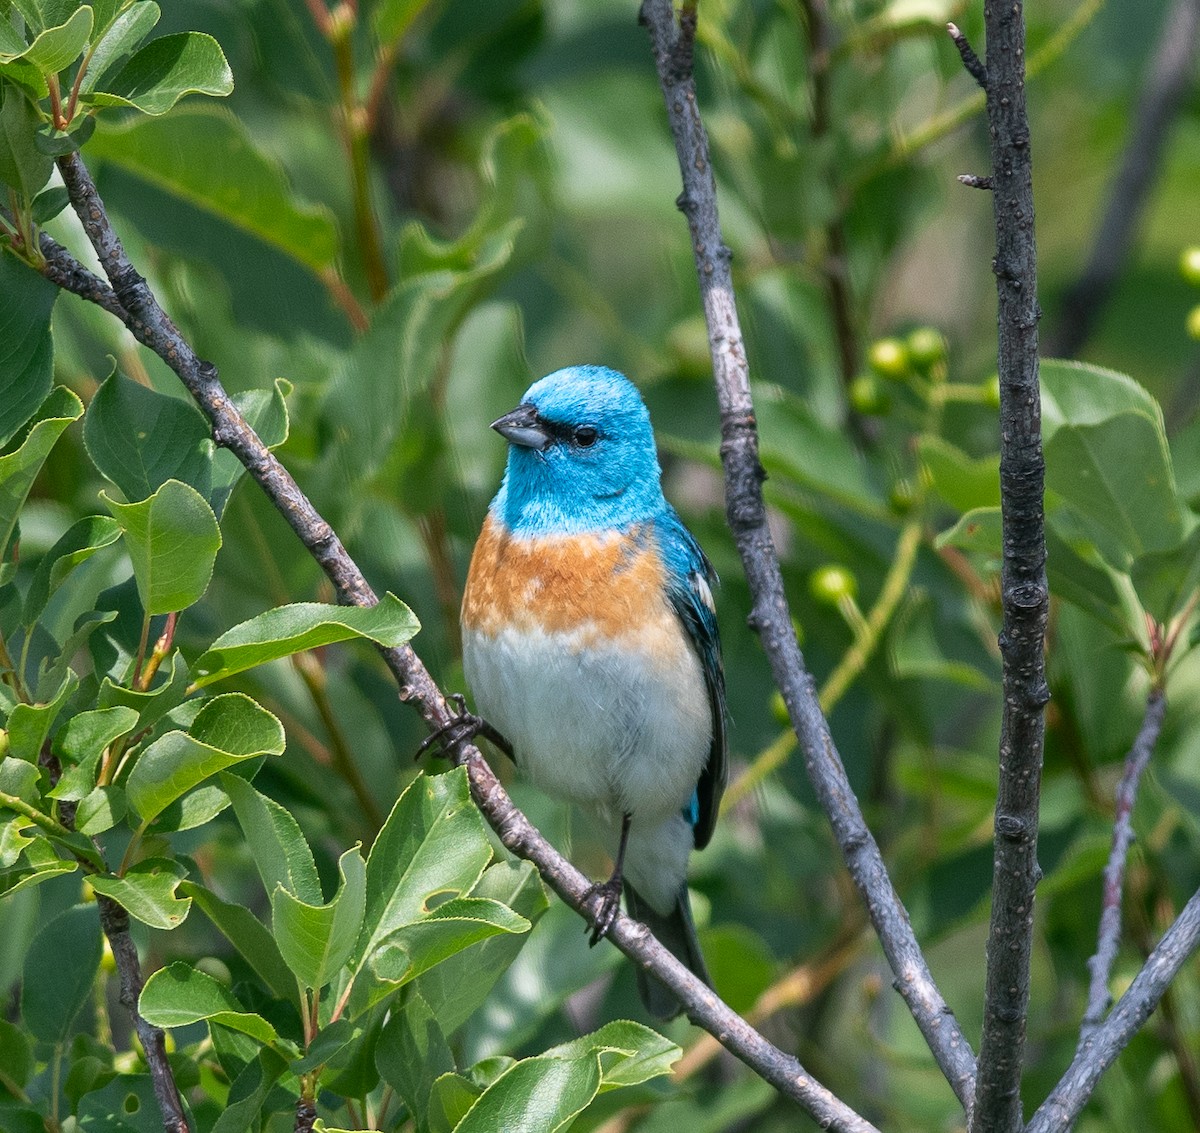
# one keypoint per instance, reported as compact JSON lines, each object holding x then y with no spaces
{"x":607,"y":895}
{"x":463,"y":725}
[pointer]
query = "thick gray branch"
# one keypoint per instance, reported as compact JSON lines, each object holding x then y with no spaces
{"x":141,"y":313}
{"x":1058,"y":1113}
{"x":1024,"y":592}
{"x":748,"y":521}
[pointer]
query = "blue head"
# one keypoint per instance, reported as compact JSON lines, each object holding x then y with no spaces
{"x":581,"y":456}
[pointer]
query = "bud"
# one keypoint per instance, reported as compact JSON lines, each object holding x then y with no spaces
{"x":830,"y":585}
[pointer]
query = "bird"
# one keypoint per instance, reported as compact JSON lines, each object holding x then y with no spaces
{"x":590,"y":645}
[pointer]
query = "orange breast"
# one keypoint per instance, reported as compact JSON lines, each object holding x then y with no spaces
{"x":599,"y":586}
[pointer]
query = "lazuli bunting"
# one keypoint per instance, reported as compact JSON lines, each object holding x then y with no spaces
{"x":590,"y":643}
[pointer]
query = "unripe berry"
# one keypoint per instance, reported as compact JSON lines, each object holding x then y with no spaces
{"x":1193,"y":322}
{"x":108,"y":962}
{"x":829,"y":585}
{"x":866,"y":396}
{"x":779,"y":709}
{"x":991,"y":391}
{"x":889,"y":358}
{"x":926,"y":347}
{"x":1189,"y":264}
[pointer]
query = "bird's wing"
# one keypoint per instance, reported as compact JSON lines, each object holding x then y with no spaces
{"x":690,"y":578}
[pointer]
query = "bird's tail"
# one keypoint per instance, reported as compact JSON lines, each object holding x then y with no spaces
{"x":677,"y":931}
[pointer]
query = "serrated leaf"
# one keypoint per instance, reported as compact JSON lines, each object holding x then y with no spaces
{"x":118,"y":41}
{"x":266,"y":413}
{"x":178,"y":994}
{"x":159,"y":74}
{"x":173,"y":539}
{"x":87,"y":734}
{"x":153,"y":705}
{"x":286,"y":630}
{"x":140,"y":439}
{"x":250,"y":937}
{"x":19,"y":469}
{"x":536,"y":1095}
{"x":280,"y":852}
{"x":228,"y":729}
{"x":147,"y":892}
{"x":39,"y":862}
{"x":413,"y":1052}
{"x":316,"y":940}
{"x":207,"y":158}
{"x":100,"y":810}
{"x":1078,"y":393}
{"x":60,"y":968}
{"x":30,"y":724}
{"x":434,"y":842}
{"x":19,"y":779}
{"x":641,"y":1053}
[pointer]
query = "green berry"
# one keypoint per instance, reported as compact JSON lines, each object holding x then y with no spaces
{"x":926,"y":347}
{"x":830,"y":585}
{"x":779,"y":709}
{"x":1189,"y":264}
{"x":866,"y":396}
{"x":1193,"y":322}
{"x":991,"y":391}
{"x":888,"y":357}
{"x":902,"y":497}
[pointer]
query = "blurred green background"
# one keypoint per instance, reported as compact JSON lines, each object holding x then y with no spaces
{"x":411,"y":227}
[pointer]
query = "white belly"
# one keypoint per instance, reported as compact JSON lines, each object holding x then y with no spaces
{"x":617,"y":729}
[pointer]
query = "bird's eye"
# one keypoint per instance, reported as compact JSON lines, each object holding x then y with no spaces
{"x":585,"y":436}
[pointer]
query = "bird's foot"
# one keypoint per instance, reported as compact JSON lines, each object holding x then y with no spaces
{"x":463,"y":725}
{"x":607,"y":897}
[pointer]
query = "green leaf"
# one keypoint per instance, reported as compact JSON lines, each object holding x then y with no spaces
{"x":248,"y":1093}
{"x":117,"y":42}
{"x":19,"y":469}
{"x":393,"y":18}
{"x":19,"y":779}
{"x":49,"y":203}
{"x":963,"y":482}
{"x":26,"y":350}
{"x":434,"y":842}
{"x":13,"y":838}
{"x":448,"y":929}
{"x":179,"y":994}
{"x":173,"y":539}
{"x":316,"y":940}
{"x":228,"y":729}
{"x":266,"y":413}
{"x":87,"y":734}
{"x":915,"y":651}
{"x":413,"y":1052}
{"x":280,"y":852}
{"x":1077,"y":393}
{"x":147,"y":892}
{"x":140,"y":439}
{"x":15,"y":1054}
{"x":1166,"y":580}
{"x":536,"y":1095}
{"x":80,"y":541}
{"x":23,"y":166}
{"x":1130,"y":506}
{"x":56,"y":47}
{"x":642,"y":1053}
{"x":457,"y":987}
{"x":206,"y":157}
{"x":306,"y":625}
{"x":250,"y":937}
{"x":153,"y":705}
{"x":39,"y":862}
{"x":193,"y":809}
{"x":100,"y":809}
{"x":161,"y":73}
{"x":60,"y":969}
{"x":30,"y":724}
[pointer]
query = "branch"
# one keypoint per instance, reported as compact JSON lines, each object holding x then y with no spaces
{"x":1099,"y":1050}
{"x":115,"y":923}
{"x":1100,"y":965}
{"x":1162,"y":95}
{"x":1025,"y":596}
{"x":151,"y":326}
{"x":748,"y":521}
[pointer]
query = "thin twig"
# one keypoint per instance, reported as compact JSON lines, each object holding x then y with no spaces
{"x":748,"y":520}
{"x":1100,"y":965}
{"x":1162,"y":96}
{"x":1058,"y":1113}
{"x":151,"y":326}
{"x":1025,"y":596}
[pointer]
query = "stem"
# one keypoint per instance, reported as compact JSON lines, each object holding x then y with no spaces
{"x":1100,"y":965}
{"x":747,"y":516}
{"x":37,"y":817}
{"x":1025,"y":596}
{"x":143,"y":641}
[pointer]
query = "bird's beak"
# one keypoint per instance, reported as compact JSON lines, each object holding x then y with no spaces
{"x":522,"y":426}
